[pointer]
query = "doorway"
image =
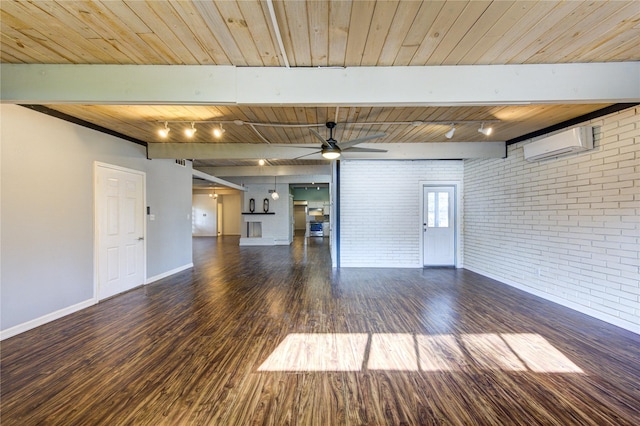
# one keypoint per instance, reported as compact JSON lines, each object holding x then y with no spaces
{"x":119,"y":229}
{"x":439,"y":225}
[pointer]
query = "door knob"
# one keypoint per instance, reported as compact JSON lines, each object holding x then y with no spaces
{"x":140,"y":238}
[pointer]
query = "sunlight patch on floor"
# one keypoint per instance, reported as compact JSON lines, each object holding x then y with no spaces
{"x":318,"y":352}
{"x":540,"y":355}
{"x":393,"y":352}
{"x":300,"y":352}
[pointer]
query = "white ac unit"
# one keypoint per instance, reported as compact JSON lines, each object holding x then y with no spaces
{"x":567,"y":142}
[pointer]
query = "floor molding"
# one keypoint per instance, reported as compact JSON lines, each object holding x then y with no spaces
{"x":618,"y":322}
{"x":168,"y":273}
{"x":29,"y":325}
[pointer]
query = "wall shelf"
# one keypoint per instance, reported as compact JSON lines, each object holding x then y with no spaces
{"x":255,"y":214}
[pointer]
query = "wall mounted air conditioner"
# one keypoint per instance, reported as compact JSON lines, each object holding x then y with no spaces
{"x":567,"y":142}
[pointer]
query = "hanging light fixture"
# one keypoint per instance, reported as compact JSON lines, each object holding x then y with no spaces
{"x":274,"y":192}
{"x":164,"y":132}
{"x":190,"y":131}
{"x":451,"y":131}
{"x":485,"y":130}
{"x":218,"y":131}
{"x":331,"y":152}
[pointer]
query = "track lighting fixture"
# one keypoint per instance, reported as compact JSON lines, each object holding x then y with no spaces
{"x":451,"y":131}
{"x":218,"y":131}
{"x":485,"y":130}
{"x":190,"y":131}
{"x":164,"y":132}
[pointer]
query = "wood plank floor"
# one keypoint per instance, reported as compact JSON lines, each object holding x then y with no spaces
{"x":273,"y":335}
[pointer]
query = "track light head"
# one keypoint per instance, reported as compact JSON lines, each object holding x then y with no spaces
{"x":450,"y":133}
{"x":190,"y":131}
{"x":218,"y":131}
{"x":164,"y":132}
{"x":485,"y":130}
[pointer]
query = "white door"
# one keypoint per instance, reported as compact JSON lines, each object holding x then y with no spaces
{"x":119,"y":230}
{"x":439,"y":231}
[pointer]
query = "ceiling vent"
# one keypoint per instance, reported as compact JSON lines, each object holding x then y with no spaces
{"x":571,"y":141}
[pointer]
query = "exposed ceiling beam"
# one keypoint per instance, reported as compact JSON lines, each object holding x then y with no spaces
{"x":395,"y":151}
{"x":427,"y":86}
{"x":214,"y":179}
{"x":313,"y":173}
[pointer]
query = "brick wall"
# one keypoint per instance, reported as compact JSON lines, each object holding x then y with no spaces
{"x":380,"y":212}
{"x":566,"y":229}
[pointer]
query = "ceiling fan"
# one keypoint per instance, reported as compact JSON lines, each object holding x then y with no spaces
{"x":331,"y":148}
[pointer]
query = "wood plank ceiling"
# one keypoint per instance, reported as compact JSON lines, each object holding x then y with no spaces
{"x":321,"y":34}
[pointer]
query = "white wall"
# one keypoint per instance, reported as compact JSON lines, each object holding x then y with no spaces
{"x":564,"y":229}
{"x":47,"y":214}
{"x":380,"y":211}
{"x":205,"y":212}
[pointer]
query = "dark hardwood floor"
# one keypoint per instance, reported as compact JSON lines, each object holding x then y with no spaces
{"x":273,"y":335}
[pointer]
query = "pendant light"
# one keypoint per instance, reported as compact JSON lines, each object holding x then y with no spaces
{"x":274,"y":193}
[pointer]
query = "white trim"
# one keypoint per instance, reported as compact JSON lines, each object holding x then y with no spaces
{"x":37,"y":322}
{"x":634,"y":328}
{"x":458,"y":188}
{"x":96,"y":236}
{"x":344,"y":264}
{"x":166,"y":274}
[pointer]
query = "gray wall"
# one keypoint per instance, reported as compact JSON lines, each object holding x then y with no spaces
{"x":47,"y":253}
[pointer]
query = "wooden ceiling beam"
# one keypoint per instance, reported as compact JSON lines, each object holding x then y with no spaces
{"x":374,"y":86}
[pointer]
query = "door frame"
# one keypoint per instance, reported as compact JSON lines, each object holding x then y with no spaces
{"x":96,"y":230}
{"x":457,"y":215}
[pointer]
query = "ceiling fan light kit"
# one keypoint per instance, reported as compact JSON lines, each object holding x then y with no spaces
{"x":330,"y":153}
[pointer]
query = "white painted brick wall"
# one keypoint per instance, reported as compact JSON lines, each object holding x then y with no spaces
{"x":566,"y":229}
{"x":380,"y":212}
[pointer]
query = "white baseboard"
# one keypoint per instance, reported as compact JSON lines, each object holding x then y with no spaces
{"x":168,"y":273}
{"x":634,"y":328}
{"x":264,"y":241}
{"x":26,"y":326}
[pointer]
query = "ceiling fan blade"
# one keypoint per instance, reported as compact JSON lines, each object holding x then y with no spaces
{"x":357,"y":149}
{"x":306,"y":155}
{"x":319,"y":136}
{"x":349,"y":144}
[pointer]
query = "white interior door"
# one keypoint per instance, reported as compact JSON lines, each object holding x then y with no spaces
{"x":439,"y":231}
{"x":119,"y":230}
